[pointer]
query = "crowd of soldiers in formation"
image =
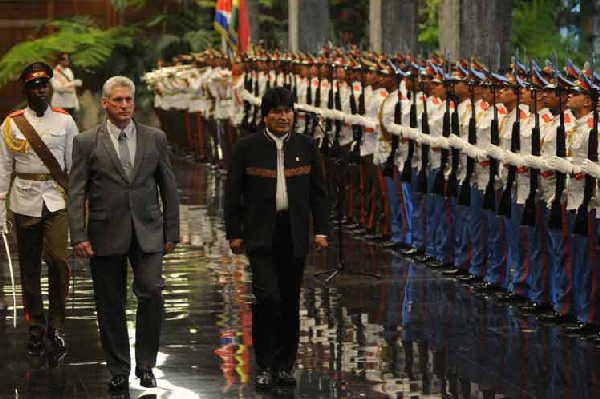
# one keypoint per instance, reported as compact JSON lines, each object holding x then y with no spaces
{"x":490,"y":177}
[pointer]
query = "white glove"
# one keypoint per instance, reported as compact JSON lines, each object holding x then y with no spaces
{"x":559,"y":164}
{"x":481,"y":154}
{"x":591,"y":168}
{"x":77,"y":82}
{"x":534,"y":162}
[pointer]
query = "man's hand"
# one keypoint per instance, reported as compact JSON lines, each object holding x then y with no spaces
{"x":321,"y":242}
{"x":83,"y":249}
{"x":169,"y":247}
{"x":236,"y":245}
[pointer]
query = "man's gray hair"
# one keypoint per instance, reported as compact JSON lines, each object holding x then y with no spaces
{"x":117,"y":81}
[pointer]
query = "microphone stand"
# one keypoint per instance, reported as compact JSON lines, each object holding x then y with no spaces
{"x":341,"y":162}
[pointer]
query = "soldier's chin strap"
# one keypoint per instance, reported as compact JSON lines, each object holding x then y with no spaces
{"x":12,"y":278}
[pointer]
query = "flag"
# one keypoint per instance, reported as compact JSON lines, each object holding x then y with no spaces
{"x":223,"y":10}
{"x":239,"y":25}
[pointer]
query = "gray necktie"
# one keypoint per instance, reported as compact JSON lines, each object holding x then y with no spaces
{"x":124,"y":154}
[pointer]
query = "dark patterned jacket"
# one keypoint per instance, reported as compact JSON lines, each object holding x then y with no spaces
{"x":251,"y":188}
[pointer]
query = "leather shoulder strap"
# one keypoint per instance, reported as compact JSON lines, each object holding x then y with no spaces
{"x":41,"y":150}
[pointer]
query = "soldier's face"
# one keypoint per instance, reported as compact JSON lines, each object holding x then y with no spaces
{"x":279,"y":120}
{"x":578,"y":101}
{"x":438,"y":90}
{"x":340,"y":74}
{"x":508,"y":96}
{"x":119,"y":105}
{"x":38,"y":94}
{"x":550,"y":99}
{"x":461,"y":90}
{"x":526,"y":96}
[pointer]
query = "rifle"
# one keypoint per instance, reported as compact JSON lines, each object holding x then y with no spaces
{"x":338,"y":123}
{"x":397,"y":120}
{"x":582,"y":227}
{"x":438,"y":184}
{"x":452,"y":189}
{"x":504,"y":208}
{"x":256,"y":94}
{"x":489,"y":197}
{"x":555,"y":219}
{"x":326,"y":145}
{"x":308,"y":115}
{"x":406,"y":175}
{"x":422,"y":178}
{"x":528,"y":218}
{"x":247,"y":105}
{"x":357,"y":130}
{"x":464,"y":197}
{"x":317,"y":102}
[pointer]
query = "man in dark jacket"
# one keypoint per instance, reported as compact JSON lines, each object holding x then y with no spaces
{"x":274,"y":185}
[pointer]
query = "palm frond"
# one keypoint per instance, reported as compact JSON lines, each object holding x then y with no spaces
{"x":88,"y":46}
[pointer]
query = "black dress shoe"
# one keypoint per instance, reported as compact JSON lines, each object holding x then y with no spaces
{"x":146,"y":376}
{"x":263,"y":380}
{"x":584,"y":329}
{"x":424,"y":258}
{"x":536,"y":308}
{"x":558,"y":319}
{"x":119,"y":384}
{"x":408,"y":251}
{"x":435,"y":264}
{"x":486,"y":286}
{"x":35,"y":346}
{"x":511,"y":297}
{"x":285,"y":378}
{"x":373,"y":236}
{"x":57,"y":337}
{"x":454,"y":272}
{"x":469,"y":279}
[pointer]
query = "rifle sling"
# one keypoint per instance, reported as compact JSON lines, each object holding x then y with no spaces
{"x":41,"y":150}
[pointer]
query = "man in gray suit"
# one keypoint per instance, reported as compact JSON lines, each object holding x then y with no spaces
{"x":120,"y":169}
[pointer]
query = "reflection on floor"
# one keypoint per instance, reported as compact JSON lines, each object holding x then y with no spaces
{"x":411,"y":334}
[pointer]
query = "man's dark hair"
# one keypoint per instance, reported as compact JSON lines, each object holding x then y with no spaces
{"x":275,"y":98}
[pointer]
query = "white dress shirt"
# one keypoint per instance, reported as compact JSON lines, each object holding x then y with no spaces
{"x":131,"y":134}
{"x":281,"y":198}
{"x":27,"y":197}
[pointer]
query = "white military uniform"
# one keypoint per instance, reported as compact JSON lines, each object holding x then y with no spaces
{"x":27,"y":197}
{"x":64,"y":87}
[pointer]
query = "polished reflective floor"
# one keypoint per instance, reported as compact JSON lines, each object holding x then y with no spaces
{"x":410,"y":334}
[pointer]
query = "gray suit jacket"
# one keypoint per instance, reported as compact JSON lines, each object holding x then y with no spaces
{"x":118,"y":208}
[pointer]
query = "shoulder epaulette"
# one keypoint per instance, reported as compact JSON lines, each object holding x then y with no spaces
{"x":523,"y":115}
{"x":16,"y":113}
{"x":62,"y":111}
{"x":547,"y":117}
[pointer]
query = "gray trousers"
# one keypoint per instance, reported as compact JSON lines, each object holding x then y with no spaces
{"x":109,"y":274}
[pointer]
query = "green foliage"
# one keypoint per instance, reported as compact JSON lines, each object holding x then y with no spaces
{"x":536,"y":31}
{"x":90,"y":47}
{"x":429,"y":31}
{"x":121,"y":5}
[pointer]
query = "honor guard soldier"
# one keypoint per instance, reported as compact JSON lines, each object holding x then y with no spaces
{"x":36,"y":149}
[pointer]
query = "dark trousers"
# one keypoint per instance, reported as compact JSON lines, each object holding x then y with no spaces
{"x":36,"y":237}
{"x":276,"y":279}
{"x":109,"y":274}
